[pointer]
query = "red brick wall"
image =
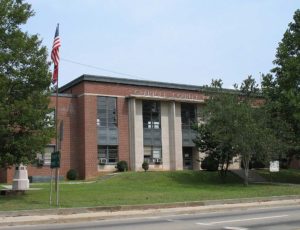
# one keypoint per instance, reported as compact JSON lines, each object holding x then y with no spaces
{"x":80,"y":133}
{"x":90,"y":136}
{"x":67,"y":111}
{"x":79,"y":113}
{"x":122,"y":108}
{"x":126,"y":90}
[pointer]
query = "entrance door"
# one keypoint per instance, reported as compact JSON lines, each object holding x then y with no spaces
{"x":187,"y":158}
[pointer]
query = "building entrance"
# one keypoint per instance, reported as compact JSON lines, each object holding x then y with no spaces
{"x":187,"y":158}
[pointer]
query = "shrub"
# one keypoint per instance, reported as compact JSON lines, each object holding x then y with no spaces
{"x":72,"y":174}
{"x":210,"y":164}
{"x":145,"y":166}
{"x":122,"y":166}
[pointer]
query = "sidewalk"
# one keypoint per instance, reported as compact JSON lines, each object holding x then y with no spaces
{"x":47,"y":216}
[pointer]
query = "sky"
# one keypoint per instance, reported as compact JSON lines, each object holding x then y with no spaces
{"x":176,"y":41}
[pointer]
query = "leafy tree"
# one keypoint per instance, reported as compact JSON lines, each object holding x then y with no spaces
{"x":253,"y":139}
{"x":235,"y":126}
{"x":281,"y":88}
{"x":24,"y":88}
{"x":218,"y":153}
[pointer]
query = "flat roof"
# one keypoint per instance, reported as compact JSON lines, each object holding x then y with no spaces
{"x":145,"y":83}
{"x":126,"y":81}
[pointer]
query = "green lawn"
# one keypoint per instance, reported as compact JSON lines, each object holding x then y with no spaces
{"x":145,"y":188}
{"x":283,"y":176}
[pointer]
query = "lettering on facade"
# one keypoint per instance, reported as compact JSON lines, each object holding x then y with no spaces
{"x":163,"y":94}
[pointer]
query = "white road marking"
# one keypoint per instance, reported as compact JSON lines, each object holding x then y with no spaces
{"x":241,"y":220}
{"x":206,"y":224}
{"x":169,"y":220}
{"x":235,"y":228}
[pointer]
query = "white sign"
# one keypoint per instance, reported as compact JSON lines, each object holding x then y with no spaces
{"x":274,"y":166}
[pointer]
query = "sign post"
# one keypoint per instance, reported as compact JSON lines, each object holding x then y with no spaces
{"x":55,"y":160}
{"x":55,"y":164}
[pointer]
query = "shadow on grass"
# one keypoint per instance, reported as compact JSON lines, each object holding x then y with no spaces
{"x":291,"y":176}
{"x":192,"y":178}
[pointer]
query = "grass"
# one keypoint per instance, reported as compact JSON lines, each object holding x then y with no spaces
{"x":283,"y":176}
{"x":145,"y":188}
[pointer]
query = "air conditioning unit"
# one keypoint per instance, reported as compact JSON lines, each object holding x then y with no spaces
{"x":103,"y":160}
{"x":157,"y":161}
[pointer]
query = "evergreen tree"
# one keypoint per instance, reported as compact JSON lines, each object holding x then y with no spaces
{"x":24,"y":88}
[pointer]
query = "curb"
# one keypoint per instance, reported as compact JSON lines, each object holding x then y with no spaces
{"x":72,"y":215}
{"x":70,"y":211}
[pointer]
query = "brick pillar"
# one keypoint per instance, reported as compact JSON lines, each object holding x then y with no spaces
{"x":122,"y":108}
{"x":88,"y":136}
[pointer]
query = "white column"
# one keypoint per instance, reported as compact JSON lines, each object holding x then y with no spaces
{"x":175,"y":136}
{"x":136,"y":143}
{"x":165,"y":135}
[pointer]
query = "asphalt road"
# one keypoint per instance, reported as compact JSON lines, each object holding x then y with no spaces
{"x":275,"y":218}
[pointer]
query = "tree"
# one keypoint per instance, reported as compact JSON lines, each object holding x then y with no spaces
{"x":217,"y":151}
{"x":219,"y":154}
{"x":24,"y":88}
{"x":237,"y":126}
{"x":281,"y":88}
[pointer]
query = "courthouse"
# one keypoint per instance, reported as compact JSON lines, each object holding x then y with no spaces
{"x":104,"y":120}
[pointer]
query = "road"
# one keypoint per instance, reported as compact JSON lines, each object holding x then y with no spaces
{"x":275,"y":218}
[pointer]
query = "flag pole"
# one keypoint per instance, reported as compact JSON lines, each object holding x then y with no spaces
{"x":51,"y":183}
{"x":56,"y":154}
{"x":56,"y":131}
{"x":56,"y":141}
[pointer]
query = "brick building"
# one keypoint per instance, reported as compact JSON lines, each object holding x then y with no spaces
{"x":105,"y":120}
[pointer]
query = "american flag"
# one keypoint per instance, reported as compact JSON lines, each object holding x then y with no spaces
{"x":55,"y":54}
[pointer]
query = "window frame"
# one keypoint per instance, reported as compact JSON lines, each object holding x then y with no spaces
{"x":151,"y":114}
{"x":44,"y":158}
{"x":149,"y":158}
{"x":108,"y":152}
{"x":107,"y":111}
{"x":188,"y":121}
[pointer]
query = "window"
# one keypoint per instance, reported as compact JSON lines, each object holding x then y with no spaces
{"x":44,"y":159}
{"x":188,"y":115}
{"x":151,"y":123}
{"x":107,"y":112}
{"x":151,"y":114}
{"x":152,"y":154}
{"x":188,"y":119}
{"x":50,"y":119}
{"x":107,"y":127}
{"x":107,"y":154}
